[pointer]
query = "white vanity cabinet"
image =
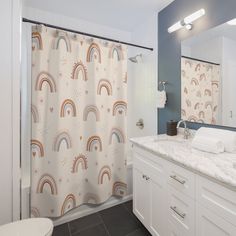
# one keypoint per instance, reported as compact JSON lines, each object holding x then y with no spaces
{"x":173,"y":201}
{"x":149,"y":198}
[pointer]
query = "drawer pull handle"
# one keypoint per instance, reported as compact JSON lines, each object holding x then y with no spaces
{"x":182,"y":215}
{"x":174,"y":177}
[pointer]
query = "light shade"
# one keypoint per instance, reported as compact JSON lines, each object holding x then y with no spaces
{"x":175,"y":27}
{"x":196,"y":15}
{"x":232,"y":22}
{"x":187,"y":21}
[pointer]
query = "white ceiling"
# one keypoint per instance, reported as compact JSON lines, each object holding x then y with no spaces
{"x":120,"y":14}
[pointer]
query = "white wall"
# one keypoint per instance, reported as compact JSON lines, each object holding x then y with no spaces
{"x":143,"y":79}
{"x":228,"y":82}
{"x":210,"y":50}
{"x":6,"y":112}
{"x":10,"y":110}
{"x":72,"y":23}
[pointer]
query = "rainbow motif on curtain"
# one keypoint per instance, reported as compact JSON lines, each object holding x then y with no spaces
{"x":80,"y":160}
{"x":119,"y":107}
{"x":118,"y":134}
{"x":60,"y":138}
{"x":116,"y":52}
{"x":35,"y":114}
{"x":94,"y":143}
{"x":34,"y":212}
{"x":104,"y":83}
{"x":48,"y":180}
{"x":37,"y":41}
{"x":68,"y":204}
{"x":91,"y":109}
{"x":79,"y":68}
{"x":45,"y":78}
{"x":68,"y":108}
{"x":105,"y":171}
{"x":37,"y":148}
{"x":62,"y":37}
{"x":94,"y":53}
{"x":119,"y":189}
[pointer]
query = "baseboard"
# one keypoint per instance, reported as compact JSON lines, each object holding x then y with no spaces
{"x":78,"y":213}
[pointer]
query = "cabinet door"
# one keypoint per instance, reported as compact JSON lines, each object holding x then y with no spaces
{"x":140,"y":196}
{"x":157,"y":201}
{"x":208,"y":223}
{"x":157,"y":205}
{"x":175,"y":230}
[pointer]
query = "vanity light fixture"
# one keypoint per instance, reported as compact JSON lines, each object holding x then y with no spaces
{"x":187,"y":21}
{"x":232,"y":22}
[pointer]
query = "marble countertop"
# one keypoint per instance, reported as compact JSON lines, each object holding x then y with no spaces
{"x":220,"y":167}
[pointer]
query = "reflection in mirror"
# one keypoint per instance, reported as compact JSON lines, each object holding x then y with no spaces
{"x":208,"y":76}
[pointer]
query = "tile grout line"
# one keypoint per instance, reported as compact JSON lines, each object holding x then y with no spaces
{"x":132,"y":232}
{"x":132,"y":214}
{"x":104,"y":225}
{"x":85,"y":228}
{"x":68,"y":225}
{"x":126,"y":208}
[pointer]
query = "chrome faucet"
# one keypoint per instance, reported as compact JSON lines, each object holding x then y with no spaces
{"x":186,"y":130}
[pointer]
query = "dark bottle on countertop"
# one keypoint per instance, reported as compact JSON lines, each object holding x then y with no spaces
{"x":171,"y":129}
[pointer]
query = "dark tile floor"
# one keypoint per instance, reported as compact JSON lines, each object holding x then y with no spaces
{"x":116,"y":221}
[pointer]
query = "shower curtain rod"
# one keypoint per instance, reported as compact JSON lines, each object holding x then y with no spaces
{"x":86,"y":34}
{"x":196,"y":59}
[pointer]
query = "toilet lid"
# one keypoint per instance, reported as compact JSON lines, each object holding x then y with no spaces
{"x":29,"y":227}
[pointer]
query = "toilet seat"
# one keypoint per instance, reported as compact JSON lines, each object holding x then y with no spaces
{"x":28,"y":227}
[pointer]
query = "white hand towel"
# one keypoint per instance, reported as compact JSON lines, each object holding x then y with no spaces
{"x":161,"y":99}
{"x":207,"y":144}
{"x":227,"y":137}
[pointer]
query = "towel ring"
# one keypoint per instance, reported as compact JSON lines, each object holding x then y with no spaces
{"x":163,"y":83}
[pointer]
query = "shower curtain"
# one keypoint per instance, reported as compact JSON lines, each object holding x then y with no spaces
{"x":200,"y":91}
{"x":79,"y":109}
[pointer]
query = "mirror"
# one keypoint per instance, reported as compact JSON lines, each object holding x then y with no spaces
{"x":208,"y":76}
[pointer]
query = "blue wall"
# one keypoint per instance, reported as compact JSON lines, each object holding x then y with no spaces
{"x":169,"y":47}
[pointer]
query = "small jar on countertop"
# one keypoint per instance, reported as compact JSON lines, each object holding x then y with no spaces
{"x":171,"y":129}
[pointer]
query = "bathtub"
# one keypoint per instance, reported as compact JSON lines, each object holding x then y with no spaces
{"x":79,"y":211}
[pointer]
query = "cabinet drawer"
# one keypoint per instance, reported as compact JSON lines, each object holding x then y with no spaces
{"x":217,"y":198}
{"x":181,"y":212}
{"x":208,"y":223}
{"x":151,"y":170}
{"x":181,"y":179}
{"x":148,"y":156}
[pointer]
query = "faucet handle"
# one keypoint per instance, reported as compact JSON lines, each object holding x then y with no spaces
{"x":187,"y":133}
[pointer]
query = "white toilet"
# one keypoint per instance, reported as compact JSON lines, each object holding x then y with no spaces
{"x":28,"y":227}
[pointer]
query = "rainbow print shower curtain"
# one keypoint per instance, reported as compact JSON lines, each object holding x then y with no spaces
{"x":79,"y":110}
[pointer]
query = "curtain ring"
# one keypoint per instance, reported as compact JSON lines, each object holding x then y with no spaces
{"x":105,"y":43}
